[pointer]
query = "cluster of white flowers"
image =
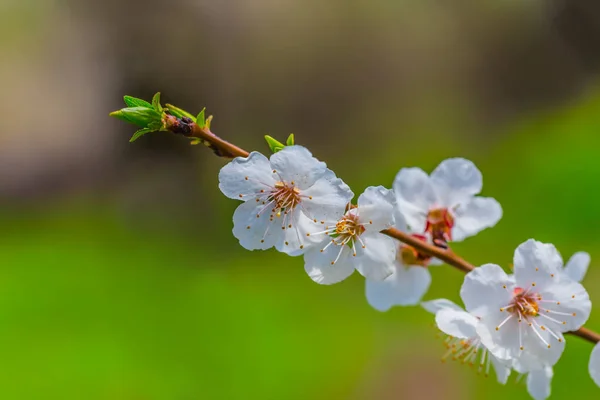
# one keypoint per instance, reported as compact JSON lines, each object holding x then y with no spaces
{"x":294,"y":203}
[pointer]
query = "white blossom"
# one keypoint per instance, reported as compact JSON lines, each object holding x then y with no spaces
{"x":463,"y":342}
{"x":577,"y":266}
{"x":410,"y":279}
{"x":523,"y":317}
{"x":445,"y":203}
{"x":538,"y":381}
{"x":595,"y":364}
{"x":283,"y":197}
{"x":354,"y":241}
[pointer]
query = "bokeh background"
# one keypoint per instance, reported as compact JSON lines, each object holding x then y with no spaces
{"x":119,"y":276}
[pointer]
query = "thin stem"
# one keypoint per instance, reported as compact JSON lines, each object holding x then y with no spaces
{"x":226,"y":149}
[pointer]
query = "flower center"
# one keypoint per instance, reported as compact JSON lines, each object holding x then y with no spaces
{"x":408,"y":255}
{"x":525,"y":303}
{"x":347,"y":229}
{"x":285,"y":197}
{"x":439,"y":224}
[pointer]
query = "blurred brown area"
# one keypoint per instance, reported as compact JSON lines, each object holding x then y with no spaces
{"x":320,"y":69}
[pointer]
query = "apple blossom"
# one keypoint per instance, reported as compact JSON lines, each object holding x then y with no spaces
{"x":523,"y":317}
{"x":463,"y":342}
{"x":444,"y":204}
{"x":282,"y":196}
{"x":410,"y":279}
{"x":354,"y":241}
{"x":594,"y":365}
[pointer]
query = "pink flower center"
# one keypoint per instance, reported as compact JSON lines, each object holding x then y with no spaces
{"x":439,"y":224}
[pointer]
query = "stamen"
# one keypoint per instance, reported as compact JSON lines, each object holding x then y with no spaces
{"x":503,"y":322}
{"x":539,"y":335}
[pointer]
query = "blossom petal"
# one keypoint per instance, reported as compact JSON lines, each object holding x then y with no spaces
{"x":486,"y":287}
{"x":376,"y":208}
{"x":474,"y":216}
{"x":577,"y":266}
{"x":456,"y":323}
{"x":415,"y":196}
{"x":595,"y":364}
{"x":293,"y":240}
{"x":318,"y":265}
{"x":400,"y":220}
{"x":455,"y":181}
{"x":376,"y":260}
{"x":536,"y":264}
{"x":566,"y":301}
{"x":538,"y":383}
{"x":296,"y":163}
{"x":502,"y":369}
{"x":326,"y":199}
{"x":255,"y":167}
{"x":508,"y":339}
{"x":406,"y":286}
{"x":433,"y":306}
{"x":254,"y":233}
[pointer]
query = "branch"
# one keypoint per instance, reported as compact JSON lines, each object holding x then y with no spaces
{"x":226,"y":149}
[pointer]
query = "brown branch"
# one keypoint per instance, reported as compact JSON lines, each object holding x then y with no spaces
{"x":445,"y":255}
{"x":226,"y":149}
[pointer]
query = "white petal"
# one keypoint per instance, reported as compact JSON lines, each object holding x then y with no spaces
{"x":568,"y":297}
{"x":538,"y":383}
{"x":577,"y":266}
{"x":250,"y":230}
{"x":456,"y":323}
{"x":499,"y":332}
{"x":503,"y":346}
{"x":595,"y":364}
{"x":399,"y":220}
{"x":320,"y":268}
{"x":474,"y":216}
{"x":486,"y":287}
{"x":293,"y":240}
{"x":536,"y":263}
{"x":502,"y":369}
{"x":433,"y":306}
{"x":296,"y":163}
{"x":376,"y":260}
{"x":456,"y":180}
{"x":415,"y":196}
{"x":255,"y":167}
{"x":326,"y":199}
{"x":537,"y":355}
{"x":406,"y":286}
{"x":376,"y":208}
{"x":434,"y":262}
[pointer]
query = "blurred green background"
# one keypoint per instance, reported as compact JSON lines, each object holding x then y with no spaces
{"x":120,"y":278}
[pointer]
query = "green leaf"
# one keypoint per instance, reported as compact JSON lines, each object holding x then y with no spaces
{"x":200,"y":119}
{"x":156,"y":102}
{"x":140,"y":116}
{"x":274,"y":144}
{"x":138,"y":134}
{"x":135,"y":102}
{"x":208,"y":121}
{"x":178,"y":112}
{"x":290,"y":140}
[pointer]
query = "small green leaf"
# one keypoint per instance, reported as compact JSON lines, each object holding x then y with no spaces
{"x":274,"y":144}
{"x":138,"y":134}
{"x":140,"y":116}
{"x":178,"y":112}
{"x":290,"y":140}
{"x":200,"y":119}
{"x":156,"y":102}
{"x":135,"y":102}
{"x":208,"y":121}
